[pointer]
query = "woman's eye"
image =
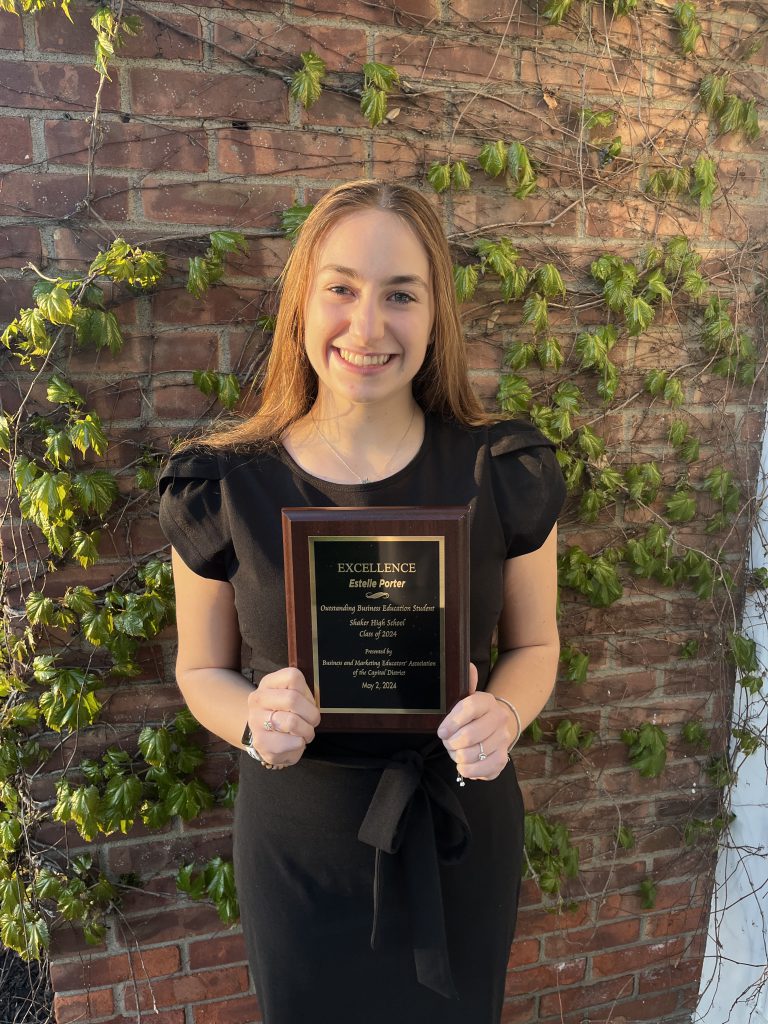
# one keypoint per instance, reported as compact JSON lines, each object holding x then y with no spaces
{"x":403,"y":298}
{"x":339,"y":289}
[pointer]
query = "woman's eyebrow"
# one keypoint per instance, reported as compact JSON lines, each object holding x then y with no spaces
{"x":397,"y":279}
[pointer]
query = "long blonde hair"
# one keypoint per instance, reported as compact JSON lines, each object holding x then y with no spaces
{"x":290,"y":385}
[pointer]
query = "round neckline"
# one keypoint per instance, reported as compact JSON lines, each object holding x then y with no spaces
{"x":322,"y":484}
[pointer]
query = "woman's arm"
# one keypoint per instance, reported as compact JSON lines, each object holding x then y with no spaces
{"x":209,"y":677}
{"x":524,"y":673}
{"x":529,"y":645}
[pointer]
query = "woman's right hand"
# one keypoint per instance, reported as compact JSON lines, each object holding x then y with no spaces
{"x":283,"y":700}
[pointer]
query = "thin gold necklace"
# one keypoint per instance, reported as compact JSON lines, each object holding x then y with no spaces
{"x":343,"y":461}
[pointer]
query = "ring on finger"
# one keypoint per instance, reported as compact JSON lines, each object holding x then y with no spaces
{"x":482,"y":755}
{"x":269,"y":725}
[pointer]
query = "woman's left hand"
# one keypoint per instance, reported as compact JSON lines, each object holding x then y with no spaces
{"x":478,"y":725}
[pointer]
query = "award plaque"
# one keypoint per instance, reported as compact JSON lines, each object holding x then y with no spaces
{"x":377,"y":603}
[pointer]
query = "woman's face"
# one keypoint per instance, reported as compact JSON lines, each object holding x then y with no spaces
{"x":369,"y":309}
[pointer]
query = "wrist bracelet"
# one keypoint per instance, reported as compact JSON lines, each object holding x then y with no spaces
{"x":247,"y":741}
{"x":513,"y":709}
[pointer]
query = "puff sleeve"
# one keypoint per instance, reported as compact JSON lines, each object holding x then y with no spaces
{"x":528,"y":484}
{"x":191,"y":513}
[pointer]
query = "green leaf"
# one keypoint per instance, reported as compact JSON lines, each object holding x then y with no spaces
{"x":549,"y":354}
{"x":548,"y":279}
{"x":519,"y":355}
{"x":655,"y":287}
{"x":95,"y":491}
{"x":206,"y":381}
{"x":56,"y":306}
{"x":743,"y":652}
{"x":40,"y":609}
{"x":306,"y":84}
{"x":556,"y":10}
{"x":681,"y":507}
{"x":382,"y":76}
{"x":5,"y":432}
{"x":625,"y":838}
{"x":460,"y":177}
{"x":101,"y":329}
{"x":439,"y":176}
{"x":535,"y":312}
{"x":576,"y":663}
{"x":493,"y":158}
{"x":87,"y":433}
{"x":519,"y":167}
{"x":224,"y":243}
{"x":514,"y":393}
{"x":188,"y":799}
{"x":58,"y":448}
{"x":647,"y":749}
{"x":639,"y":315}
{"x":292,"y":219}
{"x":712,"y":92}
{"x":648,"y":894}
{"x":61,"y":391}
{"x":501,"y":256}
{"x":120,"y":802}
{"x":228,"y":389}
{"x":513,"y":284}
{"x":704,"y":181}
{"x":695,"y":733}
{"x":373,"y":105}
{"x":592,"y":445}
{"x":198,"y":278}
{"x":465,"y":281}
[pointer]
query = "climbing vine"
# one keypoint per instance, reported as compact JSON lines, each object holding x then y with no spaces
{"x":61,"y":650}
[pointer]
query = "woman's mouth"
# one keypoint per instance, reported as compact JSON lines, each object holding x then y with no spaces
{"x":357,"y":359}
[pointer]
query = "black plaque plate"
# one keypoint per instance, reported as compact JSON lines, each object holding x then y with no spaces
{"x":377,"y":610}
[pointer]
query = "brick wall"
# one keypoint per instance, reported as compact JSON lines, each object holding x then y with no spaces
{"x":197,"y":133}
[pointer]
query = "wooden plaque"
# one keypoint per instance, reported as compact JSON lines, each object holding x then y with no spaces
{"x":377,"y":603}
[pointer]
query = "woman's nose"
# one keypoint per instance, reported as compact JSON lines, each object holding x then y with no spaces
{"x":367,"y":323}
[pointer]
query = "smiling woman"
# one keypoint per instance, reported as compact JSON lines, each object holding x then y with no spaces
{"x":372,"y":886}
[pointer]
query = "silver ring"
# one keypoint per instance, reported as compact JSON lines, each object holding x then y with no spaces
{"x":269,"y":725}
{"x":482,"y":755}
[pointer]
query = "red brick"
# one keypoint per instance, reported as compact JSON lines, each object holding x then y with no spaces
{"x":168,"y":853}
{"x":14,"y":294}
{"x":524,"y":952}
{"x":654,"y":1008}
{"x":86,"y":1007}
{"x":669,"y":976}
{"x":404,"y":12}
{"x":13,"y":34}
{"x":218,"y":950}
{"x":583,"y":996}
{"x":432,"y":58}
{"x":519,"y":1011}
{"x":336,"y":109}
{"x":17,"y":140}
{"x":623,"y":961}
{"x":290,"y":152}
{"x":141,"y":146}
{"x":547,"y":976}
{"x":231,"y":1011}
{"x":680,"y":922}
{"x":58,"y":195}
{"x":224,"y":304}
{"x":275,"y":44}
{"x":171,"y":37}
{"x":208,"y":94}
{"x":19,"y":245}
{"x":41,"y":86}
{"x":496,"y":16}
{"x":473,"y":210}
{"x":599,"y":937}
{"x":181,"y":401}
{"x":173,"y":924}
{"x":230,"y":205}
{"x":186,"y":989}
{"x":92,"y":971}
{"x":540,"y":922}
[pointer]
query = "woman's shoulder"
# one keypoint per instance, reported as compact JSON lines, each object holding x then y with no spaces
{"x":501,"y":437}
{"x":215,"y":463}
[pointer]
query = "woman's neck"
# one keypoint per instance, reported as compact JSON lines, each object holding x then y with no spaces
{"x":358,"y":443}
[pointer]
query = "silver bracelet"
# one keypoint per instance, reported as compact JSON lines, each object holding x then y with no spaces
{"x":247,"y":740}
{"x":513,"y":709}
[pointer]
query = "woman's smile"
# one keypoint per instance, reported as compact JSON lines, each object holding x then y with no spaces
{"x":360,"y":360}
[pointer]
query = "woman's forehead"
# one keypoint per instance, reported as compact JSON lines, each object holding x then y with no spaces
{"x":371,"y":237}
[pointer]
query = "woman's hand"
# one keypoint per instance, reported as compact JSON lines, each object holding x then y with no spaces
{"x":282,"y":716}
{"x":475,"y":720}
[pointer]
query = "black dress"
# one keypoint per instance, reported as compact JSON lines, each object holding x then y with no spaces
{"x":372,"y":887}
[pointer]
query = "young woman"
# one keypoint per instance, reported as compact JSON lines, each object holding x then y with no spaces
{"x":372,"y":886}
